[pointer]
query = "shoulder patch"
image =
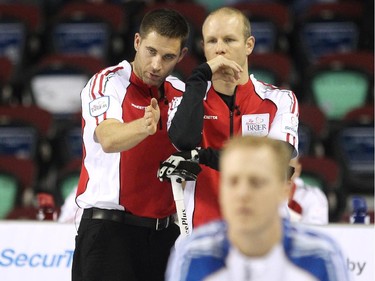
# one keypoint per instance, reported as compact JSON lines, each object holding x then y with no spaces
{"x":289,"y":124}
{"x":99,"y":106}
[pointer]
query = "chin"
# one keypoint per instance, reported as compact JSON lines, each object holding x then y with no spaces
{"x":241,"y":230}
{"x":151,"y":82}
{"x":241,"y":226}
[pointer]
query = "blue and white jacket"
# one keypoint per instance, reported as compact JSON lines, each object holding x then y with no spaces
{"x":304,"y":254}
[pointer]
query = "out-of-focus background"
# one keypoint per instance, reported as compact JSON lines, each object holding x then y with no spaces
{"x":322,"y":50}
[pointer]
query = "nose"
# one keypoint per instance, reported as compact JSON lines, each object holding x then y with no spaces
{"x":156,"y":63}
{"x":243,"y":190}
{"x":220,"y":47}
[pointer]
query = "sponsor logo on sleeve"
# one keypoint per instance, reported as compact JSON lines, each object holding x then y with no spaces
{"x":289,"y":124}
{"x":255,"y":124}
{"x":99,"y":106}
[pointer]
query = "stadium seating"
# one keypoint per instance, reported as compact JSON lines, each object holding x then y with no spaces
{"x":45,"y":62}
{"x":67,"y":179}
{"x":338,"y":88}
{"x":312,"y":130}
{"x":20,"y":28}
{"x":6,"y":74}
{"x":353,"y":146}
{"x":326,"y":28}
{"x":325,"y":172}
{"x":86,"y":28}
{"x":16,"y":176}
{"x":272,"y":68}
{"x":270,"y":24}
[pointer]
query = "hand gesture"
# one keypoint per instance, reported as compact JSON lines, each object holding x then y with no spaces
{"x":152,"y":116}
{"x":224,"y":69}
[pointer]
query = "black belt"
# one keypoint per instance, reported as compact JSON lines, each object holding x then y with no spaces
{"x":127,"y":218}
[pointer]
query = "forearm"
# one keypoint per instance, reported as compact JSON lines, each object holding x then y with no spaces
{"x":209,"y":157}
{"x":115,"y":136}
{"x":186,"y":127}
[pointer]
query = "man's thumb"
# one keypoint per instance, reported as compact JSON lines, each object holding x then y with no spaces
{"x":154,"y":103}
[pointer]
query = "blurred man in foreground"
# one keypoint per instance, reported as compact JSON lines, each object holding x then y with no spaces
{"x":253,"y":242}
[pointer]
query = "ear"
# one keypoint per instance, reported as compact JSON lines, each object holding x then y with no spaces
{"x":137,"y":41}
{"x":298,"y":169}
{"x":285,"y":192}
{"x":202,"y":47}
{"x":182,"y":53}
{"x":296,"y":164}
{"x":250,"y":44}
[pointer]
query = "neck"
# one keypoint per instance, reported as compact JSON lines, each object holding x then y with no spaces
{"x":259,"y":243}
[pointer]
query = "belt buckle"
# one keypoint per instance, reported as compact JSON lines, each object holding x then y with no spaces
{"x":159,"y":226}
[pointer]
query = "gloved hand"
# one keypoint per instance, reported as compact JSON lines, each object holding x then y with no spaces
{"x":183,"y":163}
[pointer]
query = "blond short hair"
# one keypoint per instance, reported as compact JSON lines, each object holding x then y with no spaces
{"x":280,"y":149}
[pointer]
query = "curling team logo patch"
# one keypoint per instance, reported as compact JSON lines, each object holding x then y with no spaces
{"x":255,"y":124}
{"x":99,"y":106}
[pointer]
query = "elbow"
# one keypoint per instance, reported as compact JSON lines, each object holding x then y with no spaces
{"x":108,"y":146}
{"x":183,"y":142}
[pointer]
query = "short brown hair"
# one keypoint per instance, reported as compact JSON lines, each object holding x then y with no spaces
{"x":166,"y":22}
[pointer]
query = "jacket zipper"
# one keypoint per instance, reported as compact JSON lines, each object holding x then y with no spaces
{"x":231,"y":114}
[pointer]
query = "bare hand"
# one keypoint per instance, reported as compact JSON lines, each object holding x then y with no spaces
{"x":224,"y":69}
{"x":152,"y":116}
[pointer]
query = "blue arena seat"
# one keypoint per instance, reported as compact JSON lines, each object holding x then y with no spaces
{"x":20,"y":27}
{"x":87,"y":29}
{"x":270,"y":25}
{"x":354,"y":149}
{"x":329,"y":28}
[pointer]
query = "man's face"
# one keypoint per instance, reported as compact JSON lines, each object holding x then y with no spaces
{"x":251,"y":190}
{"x":156,"y":57}
{"x":224,"y":35}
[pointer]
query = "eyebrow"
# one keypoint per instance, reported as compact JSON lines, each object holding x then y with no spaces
{"x":231,"y":35}
{"x":167,"y":54}
{"x":150,"y":48}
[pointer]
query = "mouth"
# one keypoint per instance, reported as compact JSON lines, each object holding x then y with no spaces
{"x":244,"y":211}
{"x":153,"y":76}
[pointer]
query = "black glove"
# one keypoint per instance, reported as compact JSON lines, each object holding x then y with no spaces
{"x":183,"y":163}
{"x":187,"y":170}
